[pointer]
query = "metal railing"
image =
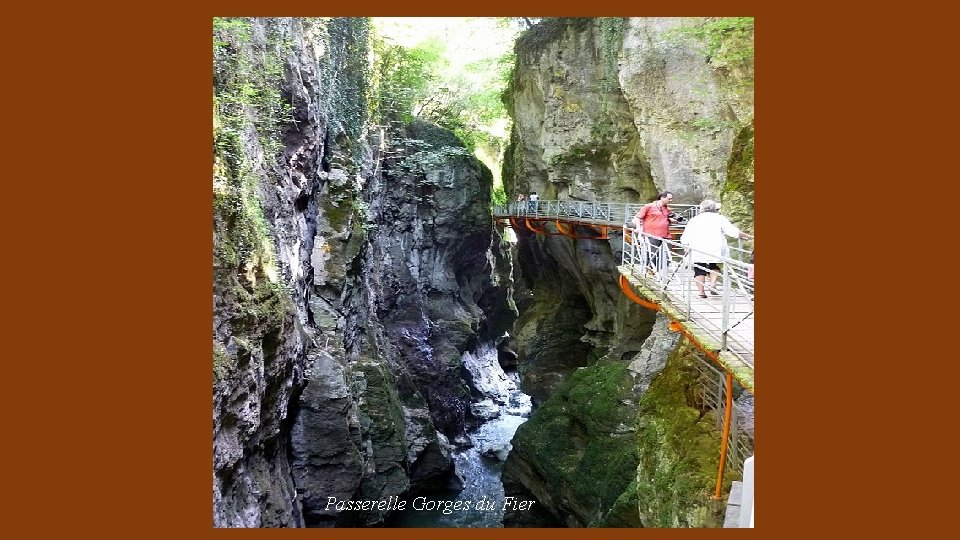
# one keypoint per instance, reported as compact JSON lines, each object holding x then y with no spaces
{"x":617,"y":214}
{"x":713,"y":394}
{"x":668,"y":269}
{"x":601,"y":212}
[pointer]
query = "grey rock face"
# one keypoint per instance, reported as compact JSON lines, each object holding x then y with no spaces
{"x":433,"y":258}
{"x":681,"y":108}
{"x":653,"y":354}
{"x":619,"y":109}
{"x":326,"y":439}
{"x":578,"y":313}
{"x":573,"y":136}
{"x":347,"y":286}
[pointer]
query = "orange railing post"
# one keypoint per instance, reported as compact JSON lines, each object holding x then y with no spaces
{"x":727,"y":414}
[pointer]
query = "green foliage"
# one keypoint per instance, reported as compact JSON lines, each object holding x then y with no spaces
{"x":611,"y":37}
{"x":518,"y":23}
{"x":346,"y":69}
{"x":247,"y":82}
{"x":428,"y":82}
{"x":402,"y":77}
{"x":725,"y":41}
{"x":499,"y":195}
{"x":222,"y":362}
{"x":424,"y":157}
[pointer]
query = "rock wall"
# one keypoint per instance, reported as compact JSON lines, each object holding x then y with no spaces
{"x":353,"y":267}
{"x":614,"y":109}
{"x":622,"y":108}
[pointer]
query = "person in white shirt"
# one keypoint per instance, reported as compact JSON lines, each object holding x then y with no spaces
{"x":704,"y":235}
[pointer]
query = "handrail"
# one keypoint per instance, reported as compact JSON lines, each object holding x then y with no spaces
{"x":603,"y":212}
{"x":617,"y":214}
{"x":670,"y":266}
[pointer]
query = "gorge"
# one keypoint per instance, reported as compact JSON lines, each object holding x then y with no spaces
{"x":379,"y":336}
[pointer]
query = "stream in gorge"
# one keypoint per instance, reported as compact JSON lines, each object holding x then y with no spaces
{"x":480,"y":465}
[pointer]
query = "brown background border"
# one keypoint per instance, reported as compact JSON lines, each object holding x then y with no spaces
{"x":108,"y":380}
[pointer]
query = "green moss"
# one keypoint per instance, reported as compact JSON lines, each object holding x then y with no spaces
{"x":381,"y":407}
{"x":598,"y":154}
{"x":270,"y":303}
{"x":737,"y":192}
{"x":624,"y":512}
{"x":337,"y":214}
{"x":575,"y":432}
{"x":548,"y":31}
{"x":222,"y":362}
{"x":679,"y":449}
{"x":248,"y":80}
{"x":611,"y":31}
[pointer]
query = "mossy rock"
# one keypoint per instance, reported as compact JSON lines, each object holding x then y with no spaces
{"x":578,"y":437}
{"x":549,"y":31}
{"x":624,"y":512}
{"x":737,"y":192}
{"x":382,"y":411}
{"x":679,"y":449}
{"x":435,"y":136}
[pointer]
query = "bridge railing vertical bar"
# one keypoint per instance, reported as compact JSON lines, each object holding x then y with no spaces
{"x":734,"y":436}
{"x":721,"y":399}
{"x":725,"y":309}
{"x":688,"y":285}
{"x":743,"y":440}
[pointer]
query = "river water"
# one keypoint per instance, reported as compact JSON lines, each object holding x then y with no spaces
{"x":480,"y":504}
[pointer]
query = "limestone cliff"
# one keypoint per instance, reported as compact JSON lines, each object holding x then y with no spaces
{"x":619,"y":109}
{"x":615,"y":109}
{"x":353,"y":267}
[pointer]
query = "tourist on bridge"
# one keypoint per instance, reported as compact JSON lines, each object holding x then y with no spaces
{"x":704,"y":235}
{"x":534,"y":198}
{"x":654,"y":219}
{"x":520,"y":202}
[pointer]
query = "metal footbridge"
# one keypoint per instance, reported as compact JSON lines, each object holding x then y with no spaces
{"x":661,"y":277}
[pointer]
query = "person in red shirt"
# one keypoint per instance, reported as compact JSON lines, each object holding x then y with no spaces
{"x":654,"y":219}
